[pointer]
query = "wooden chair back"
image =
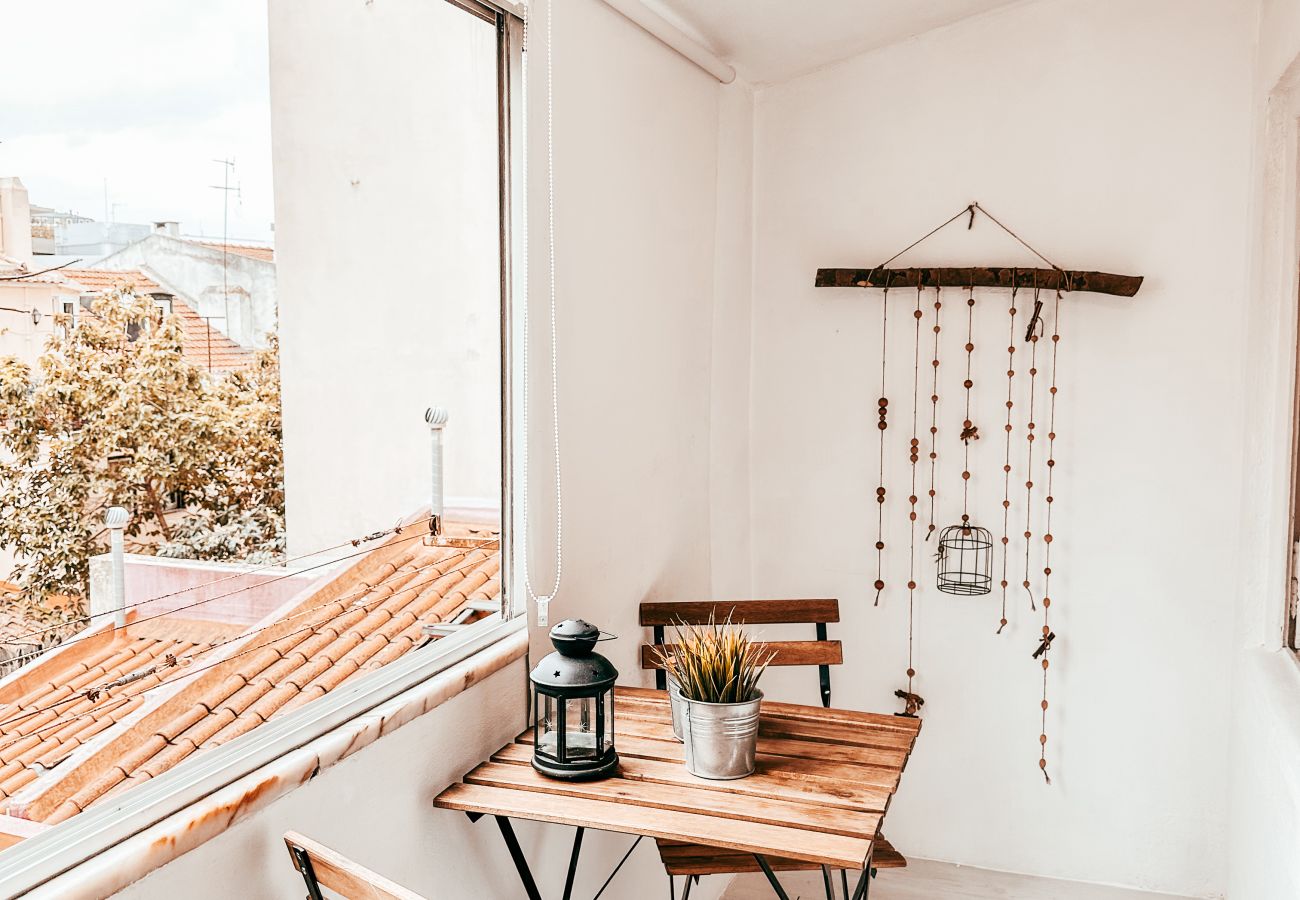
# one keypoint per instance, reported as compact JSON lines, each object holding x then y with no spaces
{"x":821,"y":652}
{"x":321,"y":867}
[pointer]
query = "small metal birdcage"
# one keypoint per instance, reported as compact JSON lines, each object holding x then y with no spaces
{"x":965,"y":560}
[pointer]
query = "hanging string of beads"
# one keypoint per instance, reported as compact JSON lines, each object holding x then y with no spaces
{"x":883,"y":410}
{"x":1032,"y":337}
{"x":914,"y":454}
{"x":1006,"y":462}
{"x":1045,"y":648}
{"x":968,"y":430}
{"x":934,"y":407}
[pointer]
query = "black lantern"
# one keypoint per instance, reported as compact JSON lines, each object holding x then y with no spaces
{"x":573,"y":706}
{"x":965,"y":560}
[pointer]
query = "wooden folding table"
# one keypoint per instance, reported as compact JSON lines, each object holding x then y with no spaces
{"x":824,"y":781}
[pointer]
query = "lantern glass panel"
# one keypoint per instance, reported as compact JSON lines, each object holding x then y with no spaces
{"x":580,"y":728}
{"x":607,"y":731}
{"x":546,"y":736}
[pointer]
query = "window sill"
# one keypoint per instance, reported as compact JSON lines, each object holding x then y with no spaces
{"x":106,"y":848}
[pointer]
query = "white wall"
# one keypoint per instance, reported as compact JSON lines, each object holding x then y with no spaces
{"x":1264,"y":823}
{"x":1115,"y":136}
{"x":384,"y":144}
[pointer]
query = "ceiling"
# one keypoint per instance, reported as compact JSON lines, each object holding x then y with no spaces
{"x":773,"y":40}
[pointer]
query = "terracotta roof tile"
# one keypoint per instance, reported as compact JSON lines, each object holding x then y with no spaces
{"x":364,"y":618}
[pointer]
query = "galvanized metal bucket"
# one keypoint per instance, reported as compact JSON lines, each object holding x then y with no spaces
{"x":721,"y":739}
{"x":677,"y":704}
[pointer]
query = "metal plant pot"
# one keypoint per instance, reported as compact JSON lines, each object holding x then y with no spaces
{"x":677,"y":703}
{"x":721,"y":739}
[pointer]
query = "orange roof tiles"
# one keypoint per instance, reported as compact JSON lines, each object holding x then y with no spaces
{"x":202,"y":344}
{"x":160,"y":713}
{"x":252,"y":251}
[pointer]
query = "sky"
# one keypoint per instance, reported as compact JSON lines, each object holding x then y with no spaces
{"x":141,"y":95}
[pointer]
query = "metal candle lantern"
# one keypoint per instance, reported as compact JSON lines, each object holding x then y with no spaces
{"x":965,"y":560}
{"x":573,"y":706}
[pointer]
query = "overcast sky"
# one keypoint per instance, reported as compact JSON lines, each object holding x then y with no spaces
{"x":144,"y":94}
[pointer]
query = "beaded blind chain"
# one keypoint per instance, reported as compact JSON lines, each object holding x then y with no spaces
{"x":1029,"y":453}
{"x":883,"y":411}
{"x":542,"y":601}
{"x":969,"y":432}
{"x":1006,"y":462}
{"x":934,"y":407}
{"x":1045,"y":647}
{"x":914,"y":454}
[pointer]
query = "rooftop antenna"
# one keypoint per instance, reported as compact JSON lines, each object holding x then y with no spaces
{"x":225,"y":188}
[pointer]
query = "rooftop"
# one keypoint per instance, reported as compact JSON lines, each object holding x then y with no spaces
{"x":252,"y":251}
{"x":119,"y":707}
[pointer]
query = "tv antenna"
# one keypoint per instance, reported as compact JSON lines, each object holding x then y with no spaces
{"x":228,"y":167}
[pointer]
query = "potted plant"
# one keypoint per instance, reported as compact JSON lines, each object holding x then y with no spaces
{"x":715,"y":670}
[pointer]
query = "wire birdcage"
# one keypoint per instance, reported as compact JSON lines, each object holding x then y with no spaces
{"x":965,"y":560}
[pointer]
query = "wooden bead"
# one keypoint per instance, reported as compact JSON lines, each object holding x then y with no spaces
{"x":968,"y":384}
{"x":1007,"y":469}
{"x":1047,"y":570}
{"x":1009,"y":405}
{"x":1046,"y":631}
{"x":1031,"y":436}
{"x":1011,"y":349}
{"x":1044,"y":662}
{"x":935,"y":363}
{"x":911,"y":499}
{"x":917,"y":313}
{"x":1051,"y":463}
{"x":1047,"y":602}
{"x":880,"y":491}
{"x":883,"y":401}
{"x":880,"y":499}
{"x":970,"y":301}
{"x":1012,"y":311}
{"x":938,"y":305}
{"x":1051,"y":435}
{"x":1024,"y":584}
{"x":1042,"y":764}
{"x":1003,"y":621}
{"x":965,"y":476}
{"x":1006,"y":504}
{"x":1055,"y":338}
{"x":1029,"y":484}
{"x":1011,"y":373}
{"x":934,"y":398}
{"x":1047,"y":538}
{"x":936,"y":329}
{"x":1053,"y":390}
{"x":966,"y":423}
{"x":882,"y":425}
{"x":911,"y":673}
{"x":912,"y":516}
{"x":931,"y":492}
{"x":1044,"y":704}
{"x":969,"y":347}
{"x":934,"y":456}
{"x":880,"y":545}
{"x":933,"y":430}
{"x":1042,"y":739}
{"x":911,"y":585}
{"x":1029,"y":534}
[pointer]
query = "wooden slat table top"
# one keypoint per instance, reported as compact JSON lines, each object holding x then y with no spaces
{"x":823,"y":784}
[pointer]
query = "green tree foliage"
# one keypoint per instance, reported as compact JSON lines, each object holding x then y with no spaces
{"x":115,"y":415}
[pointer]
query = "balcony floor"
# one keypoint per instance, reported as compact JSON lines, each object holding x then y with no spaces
{"x":926,"y":880}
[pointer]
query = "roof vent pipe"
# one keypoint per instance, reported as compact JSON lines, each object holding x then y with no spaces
{"x":436,"y":418}
{"x":116,"y":521}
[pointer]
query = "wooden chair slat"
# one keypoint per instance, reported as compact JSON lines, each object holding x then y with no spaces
{"x":750,"y":612}
{"x":750,"y":837}
{"x":787,"y":653}
{"x":340,"y":874}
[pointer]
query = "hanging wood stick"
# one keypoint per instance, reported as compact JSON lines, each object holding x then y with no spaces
{"x":983,"y":276}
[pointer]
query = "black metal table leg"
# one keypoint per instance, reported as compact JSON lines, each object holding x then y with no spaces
{"x":771,"y":877}
{"x":829,"y":883}
{"x":864,"y":882}
{"x":844,"y":880}
{"x":302,"y":860}
{"x":517,"y":854}
{"x":573,"y":862}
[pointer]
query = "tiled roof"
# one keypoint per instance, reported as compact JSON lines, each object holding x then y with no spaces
{"x":202,"y":343}
{"x":252,"y":251}
{"x":56,"y":763}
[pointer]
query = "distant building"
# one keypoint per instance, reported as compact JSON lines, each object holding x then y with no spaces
{"x":232,"y":286}
{"x":90,"y":240}
{"x":45,"y":223}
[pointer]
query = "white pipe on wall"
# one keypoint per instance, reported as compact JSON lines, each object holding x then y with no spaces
{"x":656,"y":25}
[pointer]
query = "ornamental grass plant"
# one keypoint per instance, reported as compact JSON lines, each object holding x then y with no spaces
{"x":715,"y":663}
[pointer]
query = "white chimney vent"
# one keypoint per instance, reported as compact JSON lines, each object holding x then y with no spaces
{"x":116,"y":520}
{"x":436,"y":418}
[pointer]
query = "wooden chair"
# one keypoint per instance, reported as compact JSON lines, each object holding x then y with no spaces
{"x":822,"y":653}
{"x":320,"y":867}
{"x":695,"y":860}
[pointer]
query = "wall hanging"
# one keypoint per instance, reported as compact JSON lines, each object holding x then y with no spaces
{"x":964,"y":552}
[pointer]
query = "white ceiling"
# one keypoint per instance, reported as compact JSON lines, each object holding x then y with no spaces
{"x":772,"y":40}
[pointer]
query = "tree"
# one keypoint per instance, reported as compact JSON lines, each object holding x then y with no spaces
{"x":114,"y":414}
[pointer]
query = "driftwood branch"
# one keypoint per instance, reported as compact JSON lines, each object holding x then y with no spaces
{"x":1005,"y":277}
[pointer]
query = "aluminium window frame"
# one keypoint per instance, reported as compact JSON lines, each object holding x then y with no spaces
{"x":46,"y":856}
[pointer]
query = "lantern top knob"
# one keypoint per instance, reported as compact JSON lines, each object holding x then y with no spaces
{"x":575,"y":637}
